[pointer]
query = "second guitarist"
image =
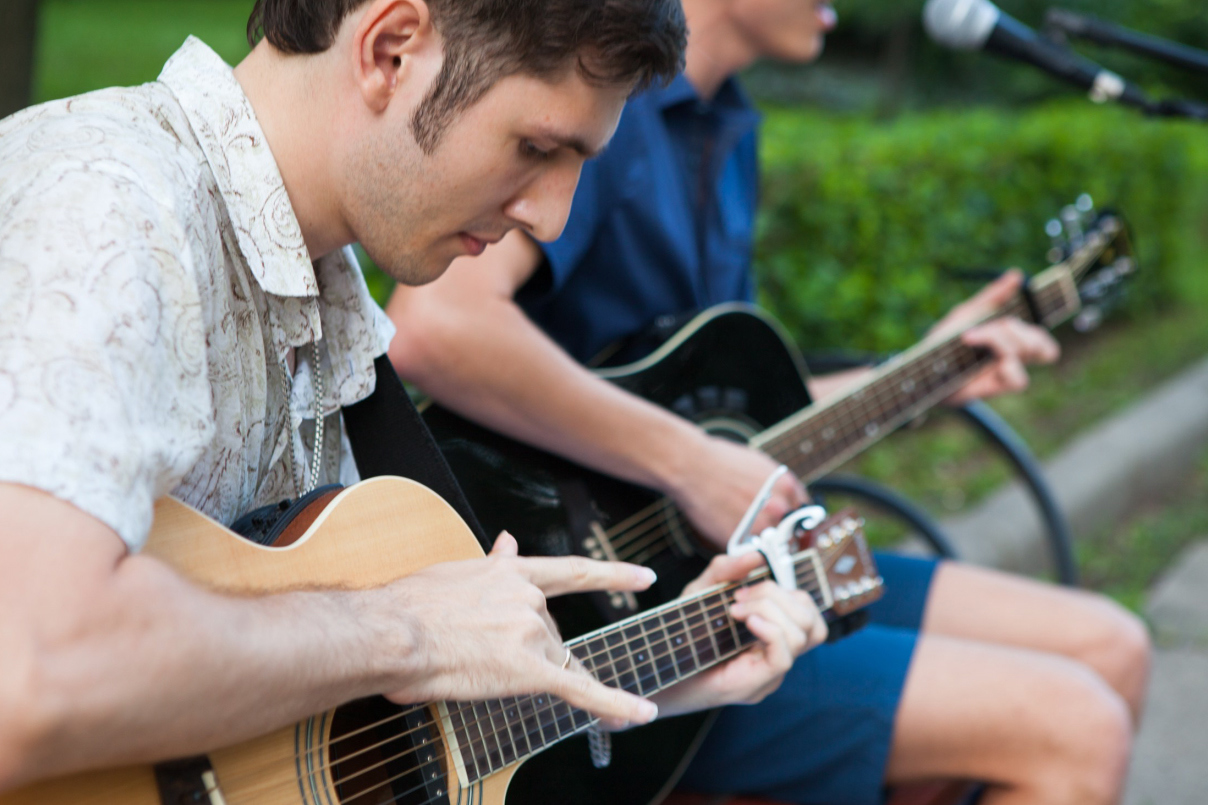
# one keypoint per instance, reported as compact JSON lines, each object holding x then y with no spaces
{"x":963,"y":673}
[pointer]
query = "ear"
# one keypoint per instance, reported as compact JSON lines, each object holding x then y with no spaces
{"x":385,"y":43}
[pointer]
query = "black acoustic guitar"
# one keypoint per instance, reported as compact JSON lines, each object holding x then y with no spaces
{"x":733,"y":370}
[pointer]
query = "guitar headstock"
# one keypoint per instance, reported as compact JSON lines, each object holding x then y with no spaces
{"x":1091,"y":257}
{"x":850,"y":570}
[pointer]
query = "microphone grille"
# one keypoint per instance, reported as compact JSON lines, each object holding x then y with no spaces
{"x":960,"y":24}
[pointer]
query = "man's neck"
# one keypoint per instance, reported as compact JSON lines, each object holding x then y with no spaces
{"x":716,"y":48}
{"x":286,"y":95}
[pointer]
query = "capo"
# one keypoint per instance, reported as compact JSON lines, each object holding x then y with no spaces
{"x":773,"y":542}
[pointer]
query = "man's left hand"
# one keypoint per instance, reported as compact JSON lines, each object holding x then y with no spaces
{"x":1014,"y":343}
{"x":786,"y":623}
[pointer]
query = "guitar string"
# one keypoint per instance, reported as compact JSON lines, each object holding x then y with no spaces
{"x":807,"y":576}
{"x":479,"y":750}
{"x":1016,"y":307}
{"x":443,"y":796}
{"x":536,"y":713}
{"x":839,"y":449}
{"x":896,"y":413}
{"x":719,"y":608}
{"x":846,"y":419}
{"x":670,"y":634}
{"x":806,"y":573}
{"x":627,"y":529}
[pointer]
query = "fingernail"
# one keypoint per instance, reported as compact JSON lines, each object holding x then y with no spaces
{"x":649,"y":575}
{"x":652,"y":710}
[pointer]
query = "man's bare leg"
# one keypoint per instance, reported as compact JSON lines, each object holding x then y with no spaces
{"x":989,"y":606}
{"x":1037,"y":727}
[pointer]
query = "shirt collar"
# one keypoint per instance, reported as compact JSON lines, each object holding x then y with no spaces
{"x":730,"y":97}
{"x":226,"y":128}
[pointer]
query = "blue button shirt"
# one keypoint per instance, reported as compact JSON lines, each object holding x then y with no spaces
{"x":662,"y":221}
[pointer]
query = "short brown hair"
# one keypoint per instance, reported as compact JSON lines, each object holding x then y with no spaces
{"x":611,"y":42}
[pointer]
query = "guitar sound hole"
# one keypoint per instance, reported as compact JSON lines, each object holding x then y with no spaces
{"x":381,"y":754}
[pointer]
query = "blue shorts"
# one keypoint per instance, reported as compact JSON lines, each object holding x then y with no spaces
{"x":824,"y":735}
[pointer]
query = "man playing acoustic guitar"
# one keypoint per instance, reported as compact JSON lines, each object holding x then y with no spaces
{"x":964,"y":673}
{"x":179,"y":316}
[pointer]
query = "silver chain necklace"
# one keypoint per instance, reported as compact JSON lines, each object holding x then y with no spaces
{"x":317,"y":390}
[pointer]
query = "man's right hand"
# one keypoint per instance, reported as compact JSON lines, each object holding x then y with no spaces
{"x":480,"y":629}
{"x":719,"y":481}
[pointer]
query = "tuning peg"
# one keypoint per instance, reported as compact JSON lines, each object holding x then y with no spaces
{"x":1085,"y":204}
{"x":1071,"y":218}
{"x":1089,"y":318}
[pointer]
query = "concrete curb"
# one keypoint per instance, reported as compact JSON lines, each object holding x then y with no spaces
{"x":1102,"y":476}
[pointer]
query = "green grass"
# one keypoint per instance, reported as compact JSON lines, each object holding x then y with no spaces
{"x":1126,"y":560}
{"x":89,"y":44}
{"x":943,"y":464}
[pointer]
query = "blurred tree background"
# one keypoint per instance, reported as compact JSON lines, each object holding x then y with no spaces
{"x":887,"y":166}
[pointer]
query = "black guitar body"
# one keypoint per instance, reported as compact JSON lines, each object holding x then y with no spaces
{"x":731,"y":370}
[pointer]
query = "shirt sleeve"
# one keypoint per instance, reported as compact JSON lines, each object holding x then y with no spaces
{"x":104,"y":397}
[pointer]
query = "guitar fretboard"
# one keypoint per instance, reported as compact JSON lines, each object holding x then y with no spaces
{"x":822,"y":436}
{"x":643,"y":654}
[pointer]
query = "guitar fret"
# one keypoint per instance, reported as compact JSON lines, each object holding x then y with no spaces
{"x":545,"y":719}
{"x":664,"y":662}
{"x":476,"y":740}
{"x":463,"y":739}
{"x":503,"y":736}
{"x":594,"y":659}
{"x":490,"y":740}
{"x":674,"y":627}
{"x":528,"y":722}
{"x":515,"y":726}
{"x":619,"y":657}
{"x":643,"y":661}
{"x":564,"y":718}
{"x":687,"y":657}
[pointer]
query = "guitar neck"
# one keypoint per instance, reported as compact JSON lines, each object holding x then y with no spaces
{"x":644,"y":654}
{"x":824,"y":435}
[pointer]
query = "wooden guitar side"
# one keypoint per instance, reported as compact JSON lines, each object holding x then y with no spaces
{"x":373,"y":533}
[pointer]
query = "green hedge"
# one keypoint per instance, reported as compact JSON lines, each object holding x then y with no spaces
{"x":861,"y":222}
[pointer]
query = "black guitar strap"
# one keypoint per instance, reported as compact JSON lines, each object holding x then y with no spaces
{"x":389,"y":437}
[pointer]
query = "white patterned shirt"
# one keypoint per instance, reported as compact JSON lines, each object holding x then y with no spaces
{"x":153,"y":280}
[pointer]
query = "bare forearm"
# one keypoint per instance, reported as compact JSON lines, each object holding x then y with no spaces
{"x":494,"y":366}
{"x":154,"y":668}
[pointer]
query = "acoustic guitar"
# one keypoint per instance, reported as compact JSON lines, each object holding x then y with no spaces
{"x":734,"y":371}
{"x":372,"y":752}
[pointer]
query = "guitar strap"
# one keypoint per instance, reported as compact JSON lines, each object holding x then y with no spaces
{"x":389,"y":437}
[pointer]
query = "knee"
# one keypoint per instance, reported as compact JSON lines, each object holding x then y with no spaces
{"x":1123,"y":653}
{"x":1093,"y":743}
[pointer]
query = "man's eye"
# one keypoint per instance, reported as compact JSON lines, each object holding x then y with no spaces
{"x":531,"y":150}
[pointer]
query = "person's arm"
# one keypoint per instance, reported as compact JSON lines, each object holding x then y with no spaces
{"x":1013,"y":342}
{"x":112,"y":658}
{"x":464,"y":341}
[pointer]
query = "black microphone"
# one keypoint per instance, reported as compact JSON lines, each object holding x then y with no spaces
{"x":977,"y":24}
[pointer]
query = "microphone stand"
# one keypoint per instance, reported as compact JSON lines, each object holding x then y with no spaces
{"x":1061,"y":24}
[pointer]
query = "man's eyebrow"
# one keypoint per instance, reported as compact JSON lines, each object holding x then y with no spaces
{"x":571,"y":141}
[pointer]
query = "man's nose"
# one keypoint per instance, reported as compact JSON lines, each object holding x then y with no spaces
{"x":543,"y":205}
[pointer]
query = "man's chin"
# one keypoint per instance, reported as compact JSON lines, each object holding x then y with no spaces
{"x":413,"y":271}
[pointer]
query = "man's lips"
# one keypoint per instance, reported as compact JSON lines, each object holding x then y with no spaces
{"x":475,"y":246}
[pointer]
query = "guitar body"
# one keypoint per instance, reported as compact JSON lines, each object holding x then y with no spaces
{"x":372,"y":534}
{"x":731,"y":369}
{"x":369,"y":535}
